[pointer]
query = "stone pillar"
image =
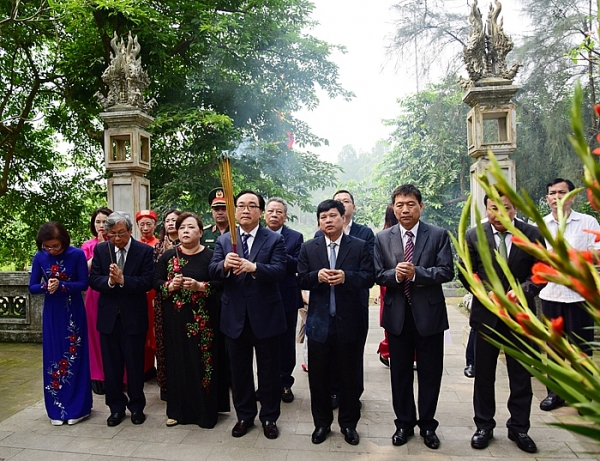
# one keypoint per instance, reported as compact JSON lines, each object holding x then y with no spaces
{"x":491,"y":122}
{"x":126,"y":142}
{"x":491,"y":125}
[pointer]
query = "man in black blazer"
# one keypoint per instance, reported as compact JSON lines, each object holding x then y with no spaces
{"x":122,"y":271}
{"x":335,"y":268}
{"x":353,"y":229}
{"x":252,"y":312}
{"x":412,"y":260}
{"x":484,"y":321}
{"x":276,"y":216}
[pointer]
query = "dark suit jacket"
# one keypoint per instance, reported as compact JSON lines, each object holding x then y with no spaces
{"x":288,"y":287}
{"x":519,"y":262}
{"x":130,"y":299}
{"x":432,"y":258}
{"x":356,"y":262}
{"x":255,"y":295}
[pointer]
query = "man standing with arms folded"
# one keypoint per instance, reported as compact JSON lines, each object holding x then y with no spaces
{"x":483,"y":321}
{"x":122,"y":272}
{"x":252,"y":313}
{"x":276,"y":216}
{"x":558,"y":300}
{"x":335,"y":268}
{"x":412,"y":260}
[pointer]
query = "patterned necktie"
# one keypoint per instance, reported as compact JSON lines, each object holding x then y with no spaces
{"x":332,"y":261}
{"x":121,"y":260}
{"x":245,"y":238}
{"x":502,"y":248}
{"x":408,"y":256}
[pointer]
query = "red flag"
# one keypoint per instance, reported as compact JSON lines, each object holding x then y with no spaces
{"x":290,"y":141}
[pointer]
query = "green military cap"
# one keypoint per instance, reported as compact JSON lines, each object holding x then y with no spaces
{"x":216,"y":197}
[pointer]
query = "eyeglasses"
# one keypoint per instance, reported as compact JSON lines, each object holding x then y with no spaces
{"x":52,"y":248}
{"x":120,"y":235}
{"x":250,"y":207}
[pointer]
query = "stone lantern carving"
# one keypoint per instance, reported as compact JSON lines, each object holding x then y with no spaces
{"x":491,"y":122}
{"x":127,"y":150}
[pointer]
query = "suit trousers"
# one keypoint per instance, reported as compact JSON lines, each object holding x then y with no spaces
{"x":578,"y":323}
{"x":122,"y":351}
{"x":430,"y":355}
{"x":288,"y":349}
{"x":519,"y":379}
{"x":241,"y":351}
{"x":345,"y":355}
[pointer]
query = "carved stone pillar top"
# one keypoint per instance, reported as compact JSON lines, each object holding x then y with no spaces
{"x":125,"y":78}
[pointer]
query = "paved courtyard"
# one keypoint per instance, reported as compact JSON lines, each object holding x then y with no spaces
{"x":26,"y":433}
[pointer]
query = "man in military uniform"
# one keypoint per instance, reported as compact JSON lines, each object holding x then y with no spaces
{"x":216,"y":200}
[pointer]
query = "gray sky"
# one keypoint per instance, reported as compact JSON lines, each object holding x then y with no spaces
{"x":365,"y":29}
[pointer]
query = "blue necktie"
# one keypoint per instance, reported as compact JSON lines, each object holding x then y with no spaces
{"x":245,"y":238}
{"x":332,"y":261}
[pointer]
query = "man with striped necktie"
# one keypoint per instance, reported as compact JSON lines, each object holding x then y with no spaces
{"x":412,"y":260}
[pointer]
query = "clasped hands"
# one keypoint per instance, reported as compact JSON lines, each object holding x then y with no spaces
{"x":53,"y":284}
{"x":115,"y":275}
{"x":405,"y":270}
{"x":331,"y":276}
{"x":188,"y":283}
{"x":238,"y":265}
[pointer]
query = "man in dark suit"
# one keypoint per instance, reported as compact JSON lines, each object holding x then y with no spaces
{"x":122,"y":271}
{"x":353,"y":229}
{"x":335,"y":268}
{"x":485,"y":321}
{"x":275,"y":216}
{"x":252,"y":312}
{"x":412,"y":260}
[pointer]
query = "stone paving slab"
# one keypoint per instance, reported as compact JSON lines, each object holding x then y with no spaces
{"x":26,"y":433}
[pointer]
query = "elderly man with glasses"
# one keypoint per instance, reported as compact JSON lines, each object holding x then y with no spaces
{"x":122,"y":272}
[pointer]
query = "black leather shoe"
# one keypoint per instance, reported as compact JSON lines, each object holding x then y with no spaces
{"x":524,"y":442}
{"x":335,"y":401}
{"x":430,"y":439}
{"x":401,"y":436}
{"x":320,"y":434}
{"x":270,"y":429}
{"x":287,"y":396}
{"x":469,"y":371}
{"x":384,"y":360}
{"x":481,"y":439}
{"x":241,"y":427}
{"x":138,"y":417}
{"x":551,"y":402}
{"x":115,"y":419}
{"x":350,"y":435}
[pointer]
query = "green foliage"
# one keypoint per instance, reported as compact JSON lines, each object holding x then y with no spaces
{"x":225,"y":74}
{"x":428,"y":149}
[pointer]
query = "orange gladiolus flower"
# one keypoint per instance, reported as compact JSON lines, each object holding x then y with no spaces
{"x":512,"y":297}
{"x":557,"y":325}
{"x":524,"y":320}
{"x":597,"y":109}
{"x":590,"y":195}
{"x":583,"y":289}
{"x":595,"y":232}
{"x":541,"y":271}
{"x":586,"y":255}
{"x":476,"y":277}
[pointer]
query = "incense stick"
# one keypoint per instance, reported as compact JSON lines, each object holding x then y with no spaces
{"x":227,"y":183}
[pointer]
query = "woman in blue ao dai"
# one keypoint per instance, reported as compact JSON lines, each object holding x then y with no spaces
{"x":59,"y":272}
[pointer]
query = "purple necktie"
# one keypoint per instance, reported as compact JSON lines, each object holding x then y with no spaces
{"x":408,"y":256}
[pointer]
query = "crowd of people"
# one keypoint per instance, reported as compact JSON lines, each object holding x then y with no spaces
{"x":196,"y":305}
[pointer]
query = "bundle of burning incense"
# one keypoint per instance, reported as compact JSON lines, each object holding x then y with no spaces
{"x":227,"y":183}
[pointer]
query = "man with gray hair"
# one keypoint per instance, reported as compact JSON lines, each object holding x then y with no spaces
{"x":122,"y":271}
{"x":276,"y":216}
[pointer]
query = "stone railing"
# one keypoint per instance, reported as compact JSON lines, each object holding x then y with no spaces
{"x":20,"y":311}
